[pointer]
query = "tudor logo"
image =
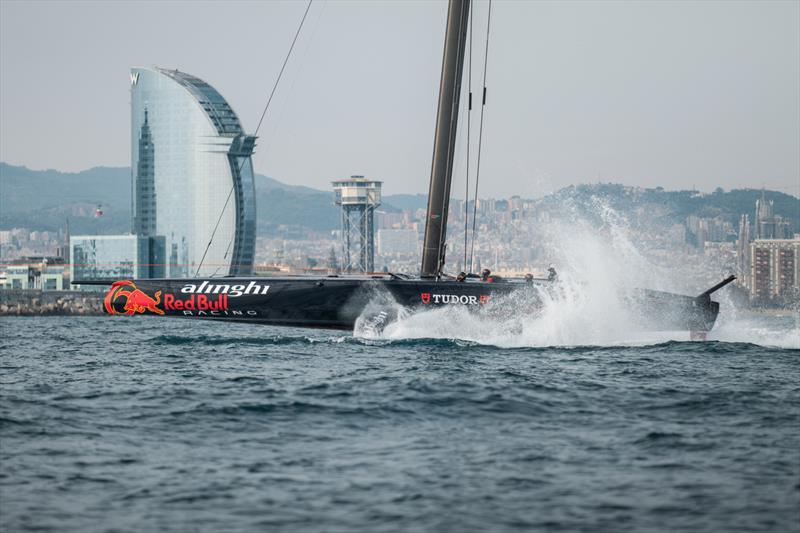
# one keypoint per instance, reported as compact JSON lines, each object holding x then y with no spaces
{"x":463,"y":299}
{"x":134,"y":78}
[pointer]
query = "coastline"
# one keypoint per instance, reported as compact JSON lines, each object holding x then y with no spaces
{"x":35,"y":302}
{"x":31,"y":302}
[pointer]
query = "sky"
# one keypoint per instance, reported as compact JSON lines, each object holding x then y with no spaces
{"x":675,"y":94}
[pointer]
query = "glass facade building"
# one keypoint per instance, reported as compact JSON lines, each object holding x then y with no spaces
{"x":192,"y":174}
{"x":115,"y":257}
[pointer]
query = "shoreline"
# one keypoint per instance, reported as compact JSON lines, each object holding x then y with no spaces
{"x":29,"y":302}
{"x":35,"y":302}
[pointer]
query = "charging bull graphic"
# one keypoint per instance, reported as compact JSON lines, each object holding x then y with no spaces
{"x":136,"y":301}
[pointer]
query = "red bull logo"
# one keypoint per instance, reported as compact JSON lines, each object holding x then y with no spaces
{"x":196,"y":302}
{"x":136,"y":300}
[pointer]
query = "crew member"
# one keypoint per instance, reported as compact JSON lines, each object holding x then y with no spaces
{"x":551,"y":274}
{"x":486,"y":275}
{"x":529,"y":278}
{"x":462,"y":276}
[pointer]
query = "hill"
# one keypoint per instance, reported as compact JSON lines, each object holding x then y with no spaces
{"x":673,"y":207}
{"x":42,"y":200}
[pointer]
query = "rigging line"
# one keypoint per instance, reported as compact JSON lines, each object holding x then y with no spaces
{"x":440,"y":253}
{"x":276,"y":121}
{"x":283,"y":67}
{"x":225,"y":256}
{"x":480,"y":134}
{"x":263,"y":114}
{"x":469,"y":137}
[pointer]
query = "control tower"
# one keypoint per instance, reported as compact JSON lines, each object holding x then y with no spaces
{"x":358,"y":197}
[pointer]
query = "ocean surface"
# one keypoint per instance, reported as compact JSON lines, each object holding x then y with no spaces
{"x":146,"y":424}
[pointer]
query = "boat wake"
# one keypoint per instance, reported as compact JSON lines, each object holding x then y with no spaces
{"x":777,"y":330}
{"x":596,"y":267}
{"x":583,"y":321}
{"x":571,"y":316}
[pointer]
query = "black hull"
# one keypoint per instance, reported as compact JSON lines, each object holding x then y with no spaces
{"x":337,"y":302}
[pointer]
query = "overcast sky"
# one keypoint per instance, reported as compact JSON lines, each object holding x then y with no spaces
{"x":677,"y":94}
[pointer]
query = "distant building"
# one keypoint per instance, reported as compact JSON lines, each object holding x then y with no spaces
{"x":397,"y":242}
{"x":358,"y":197}
{"x":52,"y":278}
{"x":767,"y":225}
{"x":192,"y":174}
{"x":390,"y":220}
{"x":39,"y":273}
{"x":20,"y":277}
{"x":144,"y":216}
{"x":697,"y":231}
{"x":774,"y":268}
{"x":456,"y":210}
{"x":115,"y":257}
{"x":702,"y":230}
{"x":759,"y":268}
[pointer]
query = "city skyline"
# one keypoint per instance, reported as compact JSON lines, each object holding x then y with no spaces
{"x":516,"y":236}
{"x":685,"y":95}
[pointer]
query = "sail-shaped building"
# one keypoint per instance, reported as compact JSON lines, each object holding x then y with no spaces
{"x":192,"y":172}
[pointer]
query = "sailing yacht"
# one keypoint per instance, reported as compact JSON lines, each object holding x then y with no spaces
{"x":337,"y":301}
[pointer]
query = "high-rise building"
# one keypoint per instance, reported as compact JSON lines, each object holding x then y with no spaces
{"x":774,"y":268}
{"x":144,"y":217}
{"x":192,"y":171}
{"x":767,"y":225}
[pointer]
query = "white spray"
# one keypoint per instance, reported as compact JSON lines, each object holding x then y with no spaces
{"x":596,"y":265}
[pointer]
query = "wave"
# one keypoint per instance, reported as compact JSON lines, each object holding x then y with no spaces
{"x":458,"y":345}
{"x":271,"y":340}
{"x":738,"y":326}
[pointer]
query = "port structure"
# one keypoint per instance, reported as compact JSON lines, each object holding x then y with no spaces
{"x":358,"y":197}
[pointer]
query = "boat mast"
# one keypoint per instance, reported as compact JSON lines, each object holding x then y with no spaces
{"x":445,"y":139}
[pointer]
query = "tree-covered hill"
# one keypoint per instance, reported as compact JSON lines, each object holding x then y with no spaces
{"x":44,"y":199}
{"x":675,"y":206}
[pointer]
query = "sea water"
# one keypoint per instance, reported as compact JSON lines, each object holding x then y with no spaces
{"x":149,"y":424}
{"x":569,"y":419}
